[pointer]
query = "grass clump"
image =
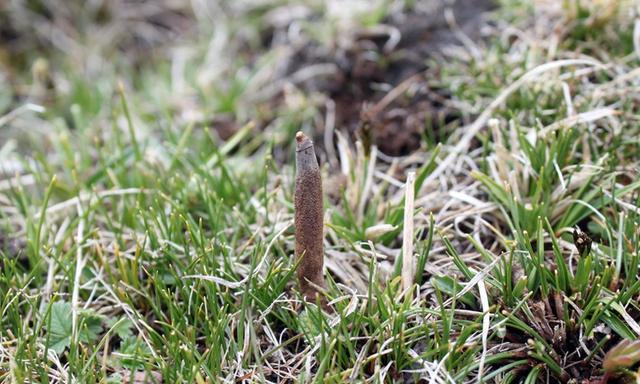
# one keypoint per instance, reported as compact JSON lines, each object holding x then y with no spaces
{"x":147,"y":216}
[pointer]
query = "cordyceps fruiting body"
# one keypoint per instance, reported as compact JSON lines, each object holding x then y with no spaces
{"x":308,"y":219}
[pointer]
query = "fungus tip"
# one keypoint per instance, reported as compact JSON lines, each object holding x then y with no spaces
{"x":303,"y":142}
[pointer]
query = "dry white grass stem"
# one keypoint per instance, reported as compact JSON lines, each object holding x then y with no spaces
{"x":76,"y":278}
{"x":407,"y":233}
{"x":486,"y":321}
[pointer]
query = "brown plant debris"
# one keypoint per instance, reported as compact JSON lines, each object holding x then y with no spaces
{"x":582,"y":241}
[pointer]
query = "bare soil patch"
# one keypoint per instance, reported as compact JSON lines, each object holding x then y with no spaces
{"x":380,"y":62}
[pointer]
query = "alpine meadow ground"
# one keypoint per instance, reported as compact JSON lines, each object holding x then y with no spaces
{"x":480,"y":166}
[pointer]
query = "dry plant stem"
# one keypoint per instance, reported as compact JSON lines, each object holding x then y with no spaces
{"x":407,"y":233}
{"x":308,"y":219}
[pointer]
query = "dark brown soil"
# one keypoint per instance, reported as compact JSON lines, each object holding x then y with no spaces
{"x":367,"y":73}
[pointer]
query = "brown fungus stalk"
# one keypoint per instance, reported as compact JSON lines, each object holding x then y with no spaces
{"x":308,"y":219}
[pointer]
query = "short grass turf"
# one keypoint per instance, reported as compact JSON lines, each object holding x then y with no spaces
{"x":146,"y":198}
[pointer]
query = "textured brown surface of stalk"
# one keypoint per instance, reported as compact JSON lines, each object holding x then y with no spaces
{"x":308,"y":219}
